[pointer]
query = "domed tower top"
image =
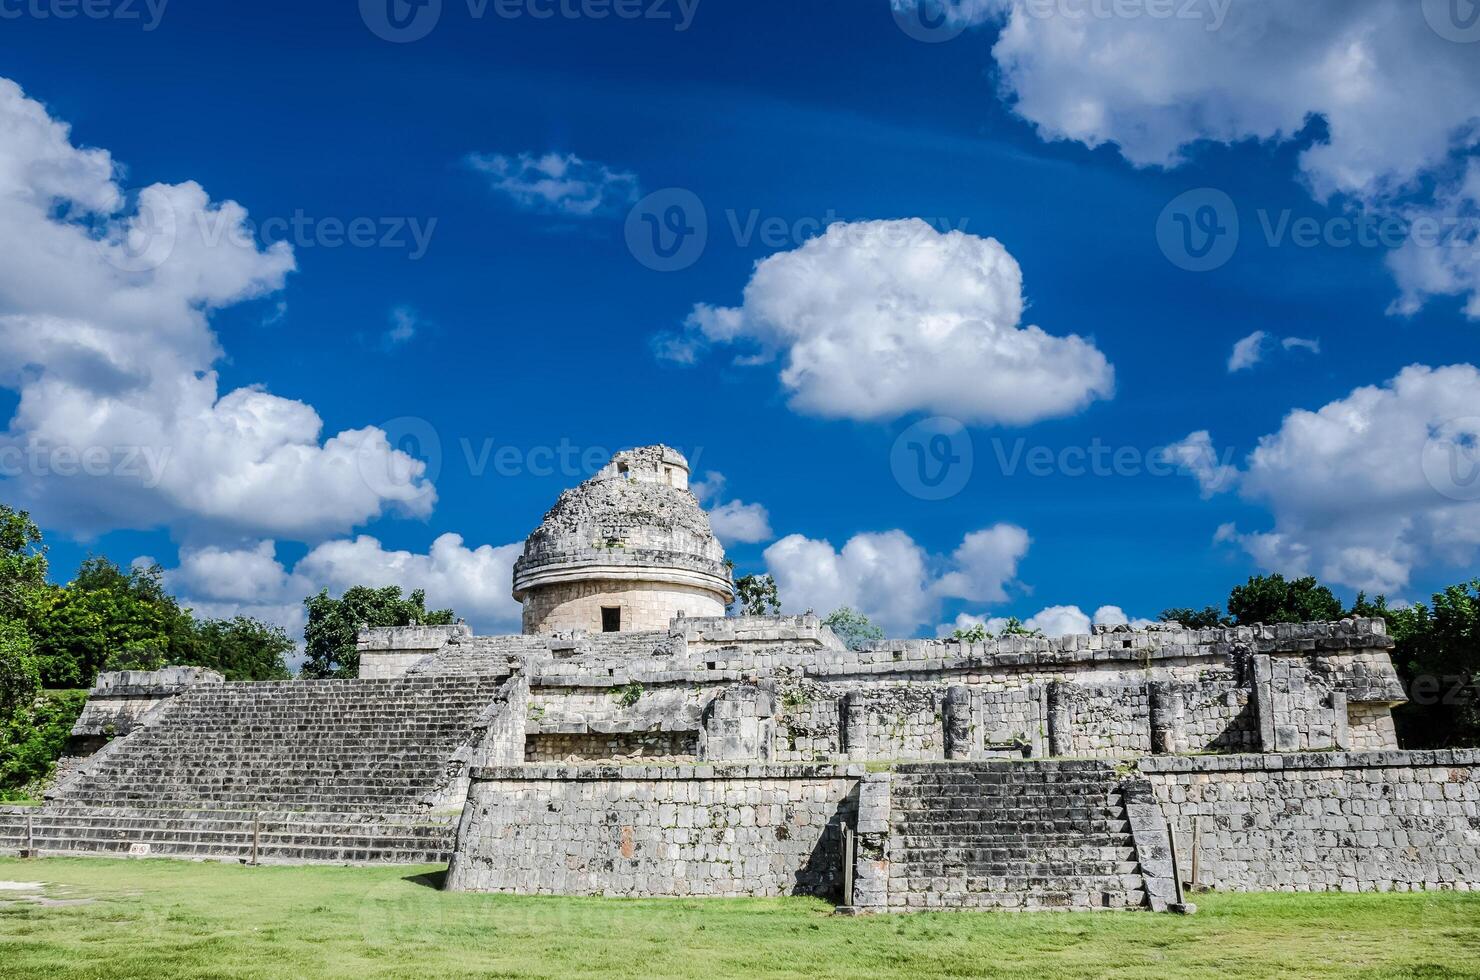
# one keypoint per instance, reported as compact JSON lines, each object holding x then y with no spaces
{"x":629,"y":549}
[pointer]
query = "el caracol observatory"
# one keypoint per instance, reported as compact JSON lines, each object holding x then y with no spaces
{"x":629,"y":549}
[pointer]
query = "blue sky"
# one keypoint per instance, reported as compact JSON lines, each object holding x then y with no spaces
{"x":523,"y":317}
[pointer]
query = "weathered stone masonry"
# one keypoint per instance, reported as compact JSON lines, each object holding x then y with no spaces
{"x":635,"y":742}
{"x":1328,"y":821}
{"x":655,"y":830}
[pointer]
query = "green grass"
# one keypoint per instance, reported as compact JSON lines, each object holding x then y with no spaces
{"x":160,"y":919}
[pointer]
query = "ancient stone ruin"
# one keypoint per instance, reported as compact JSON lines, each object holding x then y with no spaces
{"x":635,"y":741}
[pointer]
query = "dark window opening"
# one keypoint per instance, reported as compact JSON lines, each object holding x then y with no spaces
{"x":622,"y":471}
{"x":611,"y":619}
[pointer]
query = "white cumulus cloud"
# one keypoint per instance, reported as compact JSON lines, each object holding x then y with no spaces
{"x":1050,"y":621}
{"x":1371,"y":486}
{"x":1396,"y":98}
{"x":878,"y":319}
{"x":105,"y":302}
{"x":250,"y":580}
{"x":889,"y":577}
{"x":733,"y":521}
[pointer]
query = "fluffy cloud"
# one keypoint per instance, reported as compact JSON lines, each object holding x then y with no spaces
{"x":1050,"y":621}
{"x":889,"y":577}
{"x":1373,"y":485}
{"x":250,"y":580}
{"x":733,"y":521}
{"x":878,"y":319}
{"x":1196,"y":456}
{"x":557,"y":183}
{"x":105,"y":335}
{"x":984,"y":564}
{"x":1395,"y":95}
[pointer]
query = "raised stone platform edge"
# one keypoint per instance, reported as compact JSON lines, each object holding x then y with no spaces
{"x":1383,"y":759}
{"x":603,"y":773}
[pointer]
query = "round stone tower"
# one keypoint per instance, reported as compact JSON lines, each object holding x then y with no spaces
{"x":629,"y":549}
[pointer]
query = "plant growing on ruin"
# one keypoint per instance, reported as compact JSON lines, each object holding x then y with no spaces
{"x":629,"y":694}
{"x":756,"y":595}
{"x":976,"y":634}
{"x":853,"y":628}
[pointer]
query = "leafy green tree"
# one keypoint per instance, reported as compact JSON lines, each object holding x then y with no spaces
{"x":19,"y":677}
{"x":107,"y":618}
{"x":242,"y":649}
{"x":22,"y":566}
{"x":333,"y":625}
{"x":32,"y":740}
{"x":1437,"y":654}
{"x":756,"y":596}
{"x":852,"y":627}
{"x":1206,"y":618}
{"x":1273,"y":599}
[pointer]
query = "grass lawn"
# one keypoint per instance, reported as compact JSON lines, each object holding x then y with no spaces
{"x":177,"y":919}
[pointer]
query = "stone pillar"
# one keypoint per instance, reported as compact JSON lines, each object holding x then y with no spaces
{"x":855,"y":726}
{"x":1060,"y":719}
{"x":1340,"y":733}
{"x":1166,"y":717}
{"x":1264,"y":700}
{"x":957,"y":716}
{"x":871,"y":859}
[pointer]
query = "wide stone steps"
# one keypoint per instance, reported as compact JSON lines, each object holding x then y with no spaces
{"x":230,"y":835}
{"x":1012,"y":835}
{"x":338,"y":746}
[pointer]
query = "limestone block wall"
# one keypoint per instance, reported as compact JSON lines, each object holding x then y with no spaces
{"x":1327,"y":821}
{"x":119,"y":700}
{"x":390,"y":651}
{"x":1007,"y":714}
{"x":1218,"y":715}
{"x":1108,"y":721}
{"x":1370,"y":726}
{"x":637,"y":830}
{"x":612,"y":746}
{"x":895,"y":722}
{"x":644,"y":605}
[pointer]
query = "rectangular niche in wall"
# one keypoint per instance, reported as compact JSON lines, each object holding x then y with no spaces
{"x":611,"y":619}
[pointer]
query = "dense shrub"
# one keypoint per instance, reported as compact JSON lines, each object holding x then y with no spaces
{"x":33,"y":738}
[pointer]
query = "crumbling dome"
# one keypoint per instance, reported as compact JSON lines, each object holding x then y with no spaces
{"x":629,"y":549}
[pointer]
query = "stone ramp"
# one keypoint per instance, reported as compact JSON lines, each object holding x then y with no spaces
{"x":330,"y":771}
{"x":1011,"y":835}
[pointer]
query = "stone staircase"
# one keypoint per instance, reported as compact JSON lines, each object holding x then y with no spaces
{"x":334,"y":771}
{"x":1012,"y":835}
{"x":214,"y":834}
